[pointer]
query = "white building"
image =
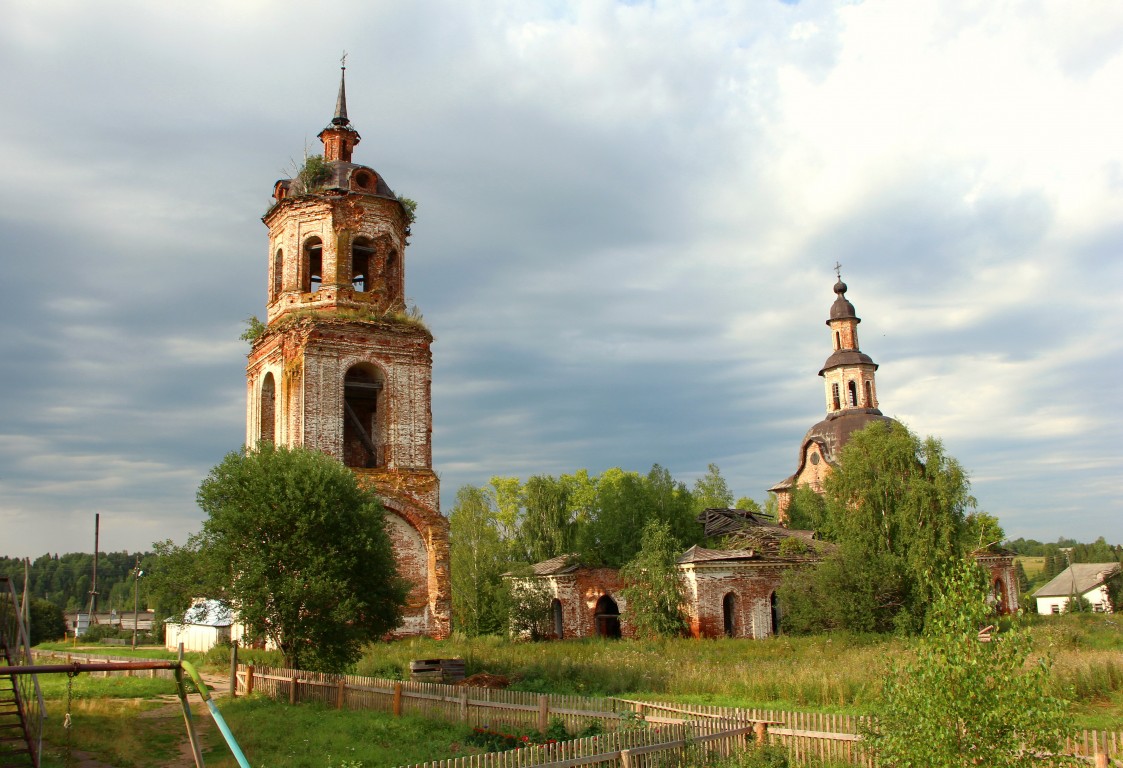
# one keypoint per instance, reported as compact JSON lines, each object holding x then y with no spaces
{"x":205,"y":624}
{"x":1088,"y":580}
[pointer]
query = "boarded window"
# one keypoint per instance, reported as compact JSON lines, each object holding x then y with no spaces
{"x":853,"y":391}
{"x":835,"y":397}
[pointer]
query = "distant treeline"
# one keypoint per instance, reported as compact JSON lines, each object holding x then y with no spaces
{"x":66,"y":580}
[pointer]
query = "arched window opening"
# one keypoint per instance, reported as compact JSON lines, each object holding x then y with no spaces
{"x":869,"y":394}
{"x":837,"y":341}
{"x":852,"y":387}
{"x":835,"y":396}
{"x":361,"y":436}
{"x":268,"y":431}
{"x":392,"y":273}
{"x":1000,"y":599}
{"x":607,"y":618}
{"x":729,"y":614}
{"x":774,"y":606}
{"x":312,"y":276}
{"x":559,"y":623}
{"x":362,"y":251}
{"x":278,"y":273}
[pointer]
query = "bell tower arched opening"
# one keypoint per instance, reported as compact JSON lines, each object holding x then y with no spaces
{"x":363,"y":445}
{"x":268,"y":409}
{"x":312,"y":265}
{"x":362,"y":250}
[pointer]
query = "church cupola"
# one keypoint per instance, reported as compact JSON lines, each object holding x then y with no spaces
{"x":848,"y":372}
{"x":339,"y":138}
{"x":337,"y":233}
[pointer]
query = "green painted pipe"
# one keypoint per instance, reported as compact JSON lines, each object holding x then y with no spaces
{"x":222,"y":726}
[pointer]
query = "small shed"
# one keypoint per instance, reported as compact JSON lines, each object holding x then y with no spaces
{"x":205,"y":624}
{"x":1088,"y":580}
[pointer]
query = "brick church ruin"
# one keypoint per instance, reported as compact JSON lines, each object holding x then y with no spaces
{"x":342,"y":366}
{"x":732,"y":591}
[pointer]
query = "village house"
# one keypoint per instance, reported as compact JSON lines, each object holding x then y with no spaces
{"x":1091,"y":581}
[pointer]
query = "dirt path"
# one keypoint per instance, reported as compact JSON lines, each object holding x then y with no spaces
{"x":204,"y":724}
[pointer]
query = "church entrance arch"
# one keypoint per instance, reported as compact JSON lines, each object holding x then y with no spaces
{"x":606,"y":617}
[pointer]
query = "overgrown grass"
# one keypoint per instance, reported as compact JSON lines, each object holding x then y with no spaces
{"x":828,"y":673}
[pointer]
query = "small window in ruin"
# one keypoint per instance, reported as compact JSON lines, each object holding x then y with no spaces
{"x":853,"y":390}
{"x":363,"y":180}
{"x":729,"y":614}
{"x":835,"y":396}
{"x":362,"y":445}
{"x":869,"y":394}
{"x":268,"y":409}
{"x":362,"y":251}
{"x":313,"y":273}
{"x":774,"y":604}
{"x":837,"y":341}
{"x":606,"y":617}
{"x":278,"y":273}
{"x":559,"y":619}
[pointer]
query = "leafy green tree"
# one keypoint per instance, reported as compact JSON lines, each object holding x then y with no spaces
{"x":806,"y":509}
{"x":711,"y":491}
{"x":47,"y":622}
{"x":299,"y":549}
{"x":478,"y":560}
{"x":546,"y":529}
{"x":961,"y":702}
{"x":895,"y":506}
{"x":747,"y":504}
{"x":981,"y":530}
{"x":653,"y":586}
{"x":529,"y":601}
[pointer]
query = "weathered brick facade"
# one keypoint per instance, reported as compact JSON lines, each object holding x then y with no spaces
{"x":999,"y":565}
{"x":851,"y":401}
{"x":343,"y":368}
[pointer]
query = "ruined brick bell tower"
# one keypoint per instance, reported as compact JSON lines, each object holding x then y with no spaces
{"x":342,"y":366}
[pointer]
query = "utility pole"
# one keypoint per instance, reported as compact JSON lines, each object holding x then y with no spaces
{"x":137,"y":573}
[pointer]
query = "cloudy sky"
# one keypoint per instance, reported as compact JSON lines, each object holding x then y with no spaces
{"x":629,"y":218}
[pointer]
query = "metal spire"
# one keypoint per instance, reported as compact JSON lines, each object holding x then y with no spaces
{"x":341,"y":101}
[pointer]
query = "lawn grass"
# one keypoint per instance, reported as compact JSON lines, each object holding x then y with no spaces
{"x":277,"y":735}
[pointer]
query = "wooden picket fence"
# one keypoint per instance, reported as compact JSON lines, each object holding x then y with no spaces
{"x":633,"y":748}
{"x":809,"y":737}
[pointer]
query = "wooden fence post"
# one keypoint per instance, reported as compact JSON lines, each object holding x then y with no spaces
{"x":397,"y":699}
{"x":233,"y":667}
{"x":463,"y":706}
{"x":625,"y":758}
{"x":543,"y":713}
{"x":292,"y":690}
{"x":760,"y":730}
{"x":1101,"y":760}
{"x":342,"y":692}
{"x":249,"y":679}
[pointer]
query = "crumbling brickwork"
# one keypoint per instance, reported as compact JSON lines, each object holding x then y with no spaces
{"x":746,"y":591}
{"x":343,"y":369}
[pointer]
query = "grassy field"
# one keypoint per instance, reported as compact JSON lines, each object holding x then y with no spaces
{"x":135,"y":722}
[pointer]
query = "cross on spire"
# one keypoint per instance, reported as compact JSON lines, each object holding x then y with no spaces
{"x":838,"y":270}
